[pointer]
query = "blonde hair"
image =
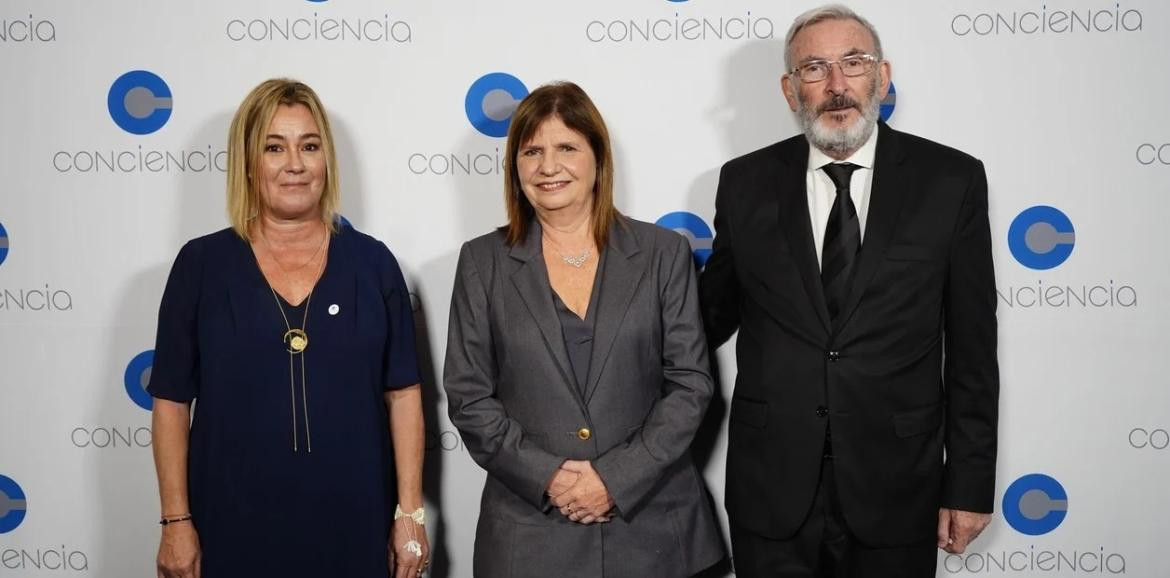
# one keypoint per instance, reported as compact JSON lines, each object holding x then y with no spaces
{"x":566,"y":101}
{"x":246,"y":140}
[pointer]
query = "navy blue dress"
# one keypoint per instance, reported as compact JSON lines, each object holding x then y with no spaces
{"x":263,"y":503}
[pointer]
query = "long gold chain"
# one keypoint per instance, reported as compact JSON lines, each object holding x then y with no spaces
{"x":297,"y":341}
{"x":292,"y":388}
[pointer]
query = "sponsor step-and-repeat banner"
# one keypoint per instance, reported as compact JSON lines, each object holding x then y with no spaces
{"x":115,"y":123}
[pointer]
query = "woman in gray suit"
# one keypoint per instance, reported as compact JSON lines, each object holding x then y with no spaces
{"x":576,"y":367}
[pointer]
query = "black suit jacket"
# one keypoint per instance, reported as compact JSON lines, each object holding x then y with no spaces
{"x":907,"y":370}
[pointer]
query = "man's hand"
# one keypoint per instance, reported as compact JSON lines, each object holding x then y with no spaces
{"x":957,"y":528}
{"x":587,"y":501}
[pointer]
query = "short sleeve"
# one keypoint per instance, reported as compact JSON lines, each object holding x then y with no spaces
{"x":175,"y":374}
{"x":400,"y":362}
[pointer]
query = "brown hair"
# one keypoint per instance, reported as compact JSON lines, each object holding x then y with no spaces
{"x":566,"y":101}
{"x":246,"y":144}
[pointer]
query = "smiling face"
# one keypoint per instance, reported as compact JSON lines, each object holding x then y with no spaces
{"x":557,"y":168}
{"x":837,"y":114}
{"x":292,"y":166}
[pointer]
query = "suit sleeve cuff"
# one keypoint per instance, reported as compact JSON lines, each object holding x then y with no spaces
{"x":527,"y":473}
{"x":628,"y":474}
{"x":969,"y":491}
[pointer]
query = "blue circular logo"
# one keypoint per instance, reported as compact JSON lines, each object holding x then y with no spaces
{"x":3,"y":244}
{"x":138,"y":377}
{"x":13,"y":504}
{"x":492,"y":100}
{"x":139,"y":102}
{"x":694,"y":229}
{"x":887,"y":106}
{"x":1041,"y":237}
{"x":1035,"y":504}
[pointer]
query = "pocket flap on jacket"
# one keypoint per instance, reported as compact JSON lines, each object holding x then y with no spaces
{"x":918,"y":421}
{"x":915,"y":253}
{"x":749,"y":412}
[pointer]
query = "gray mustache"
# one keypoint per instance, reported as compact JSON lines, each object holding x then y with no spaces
{"x":838,"y":102}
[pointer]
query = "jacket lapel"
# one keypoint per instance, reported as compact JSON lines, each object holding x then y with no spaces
{"x":794,"y":219}
{"x":888,"y":190}
{"x":531,"y":281}
{"x":625,"y":265}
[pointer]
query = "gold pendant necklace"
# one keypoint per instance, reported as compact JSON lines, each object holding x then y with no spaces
{"x":296,"y":341}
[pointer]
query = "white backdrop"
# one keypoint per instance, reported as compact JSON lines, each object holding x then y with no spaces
{"x":1064,"y":101}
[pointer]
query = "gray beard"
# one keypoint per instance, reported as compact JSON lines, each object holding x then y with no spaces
{"x":839,"y":141}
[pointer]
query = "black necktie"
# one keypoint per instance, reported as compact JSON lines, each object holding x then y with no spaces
{"x":842,"y":239}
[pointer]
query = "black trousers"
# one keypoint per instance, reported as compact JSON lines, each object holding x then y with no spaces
{"x":824,"y":547}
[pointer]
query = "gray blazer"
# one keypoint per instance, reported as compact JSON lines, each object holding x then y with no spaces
{"x":512,"y":395}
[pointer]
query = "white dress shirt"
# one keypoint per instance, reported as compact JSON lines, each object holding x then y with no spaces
{"x":822,"y":192}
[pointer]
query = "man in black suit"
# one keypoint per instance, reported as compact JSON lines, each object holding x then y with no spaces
{"x":855,"y":261}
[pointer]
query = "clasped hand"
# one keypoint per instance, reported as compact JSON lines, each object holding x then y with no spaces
{"x":580,"y":494}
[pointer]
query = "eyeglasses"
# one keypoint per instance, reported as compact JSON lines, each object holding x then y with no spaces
{"x":818,"y":70}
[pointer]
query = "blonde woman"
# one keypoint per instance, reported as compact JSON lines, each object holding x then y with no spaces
{"x":293,"y":339}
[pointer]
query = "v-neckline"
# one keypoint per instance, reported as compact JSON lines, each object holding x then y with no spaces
{"x":593,"y":293}
{"x":316,"y":284}
{"x":561,"y":303}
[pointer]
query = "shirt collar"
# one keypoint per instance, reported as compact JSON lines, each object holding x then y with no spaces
{"x":863,"y":157}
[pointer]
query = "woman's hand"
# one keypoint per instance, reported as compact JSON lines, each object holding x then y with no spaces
{"x":587,"y":501}
{"x":178,"y":551}
{"x":561,"y":482}
{"x":409,"y":550}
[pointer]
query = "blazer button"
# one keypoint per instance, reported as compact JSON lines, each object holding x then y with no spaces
{"x":822,"y":411}
{"x":584,"y":433}
{"x":833,"y":355}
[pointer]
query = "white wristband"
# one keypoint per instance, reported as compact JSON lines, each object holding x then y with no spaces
{"x":419,"y":516}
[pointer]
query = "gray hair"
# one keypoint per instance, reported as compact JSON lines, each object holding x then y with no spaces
{"x":827,"y":12}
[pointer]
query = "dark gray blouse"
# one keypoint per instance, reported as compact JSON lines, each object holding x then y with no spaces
{"x":577,"y":332}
